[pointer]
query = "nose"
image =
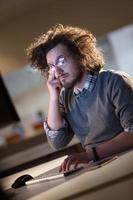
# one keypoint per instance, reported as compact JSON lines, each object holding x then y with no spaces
{"x":58,"y":71}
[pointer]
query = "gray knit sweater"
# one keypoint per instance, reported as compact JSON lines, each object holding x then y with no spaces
{"x":98,"y":114}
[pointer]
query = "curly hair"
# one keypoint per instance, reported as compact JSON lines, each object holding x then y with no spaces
{"x":79,"y":42}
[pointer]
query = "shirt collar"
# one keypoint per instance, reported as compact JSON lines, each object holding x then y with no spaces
{"x":88,"y":85}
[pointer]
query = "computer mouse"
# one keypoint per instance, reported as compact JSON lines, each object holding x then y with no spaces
{"x":20,"y":181}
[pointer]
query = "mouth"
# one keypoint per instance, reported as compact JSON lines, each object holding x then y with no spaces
{"x":63,"y":76}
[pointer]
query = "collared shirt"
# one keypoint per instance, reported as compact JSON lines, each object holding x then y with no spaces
{"x":89,"y":83}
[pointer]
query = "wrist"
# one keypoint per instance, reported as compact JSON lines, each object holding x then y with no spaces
{"x":90,"y":156}
{"x":93,"y":154}
{"x":54,"y":99}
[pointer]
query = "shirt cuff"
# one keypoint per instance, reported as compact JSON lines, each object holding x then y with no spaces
{"x":129,"y":129}
{"x":53,"y":133}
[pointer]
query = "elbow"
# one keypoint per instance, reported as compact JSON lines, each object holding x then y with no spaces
{"x":58,"y":145}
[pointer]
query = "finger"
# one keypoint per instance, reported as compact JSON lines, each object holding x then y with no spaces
{"x":57,"y":86}
{"x":76,"y":165}
{"x":69,"y":163}
{"x":53,"y":82}
{"x":60,"y":168}
{"x":51,"y":74}
{"x":57,"y":83}
{"x":63,"y":165}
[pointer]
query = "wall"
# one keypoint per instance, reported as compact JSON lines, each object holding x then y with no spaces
{"x":29,"y":94}
{"x":122,"y":46}
{"x":21,"y":21}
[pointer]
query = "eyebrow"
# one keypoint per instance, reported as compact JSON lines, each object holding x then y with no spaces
{"x":57,"y":59}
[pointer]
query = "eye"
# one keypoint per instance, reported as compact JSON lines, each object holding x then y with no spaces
{"x":61,"y":61}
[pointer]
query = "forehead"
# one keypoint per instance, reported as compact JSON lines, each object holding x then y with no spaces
{"x":55,"y":52}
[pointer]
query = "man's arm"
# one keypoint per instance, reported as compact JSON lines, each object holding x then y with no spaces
{"x":58,"y":131}
{"x":120,"y":143}
{"x":55,"y":120}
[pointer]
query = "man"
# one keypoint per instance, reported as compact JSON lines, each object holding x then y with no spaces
{"x":94,"y":104}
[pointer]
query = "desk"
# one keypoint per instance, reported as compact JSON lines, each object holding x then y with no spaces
{"x":28,"y":151}
{"x":112,"y":181}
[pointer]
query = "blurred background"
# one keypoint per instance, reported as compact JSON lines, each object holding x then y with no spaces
{"x":23,"y":20}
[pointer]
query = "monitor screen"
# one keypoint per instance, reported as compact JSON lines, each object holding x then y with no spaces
{"x":8,"y":114}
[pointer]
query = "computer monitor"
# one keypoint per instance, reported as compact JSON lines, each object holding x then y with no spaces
{"x":8,"y":114}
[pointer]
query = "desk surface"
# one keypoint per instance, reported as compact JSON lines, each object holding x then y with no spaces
{"x":112,"y":181}
{"x":29,"y":154}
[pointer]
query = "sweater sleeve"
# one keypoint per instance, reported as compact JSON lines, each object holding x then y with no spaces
{"x":60,"y":138}
{"x":122,"y":99}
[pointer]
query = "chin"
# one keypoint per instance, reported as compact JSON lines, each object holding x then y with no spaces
{"x":67,"y":84}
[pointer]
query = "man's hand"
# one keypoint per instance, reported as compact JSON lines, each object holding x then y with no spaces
{"x":75,"y":159}
{"x":54,"y":85}
{"x":55,"y":120}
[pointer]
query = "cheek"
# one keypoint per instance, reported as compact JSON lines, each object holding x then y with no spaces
{"x":76,"y":71}
{"x":73,"y":68}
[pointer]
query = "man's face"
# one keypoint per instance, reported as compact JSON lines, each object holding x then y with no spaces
{"x":67,"y":69}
